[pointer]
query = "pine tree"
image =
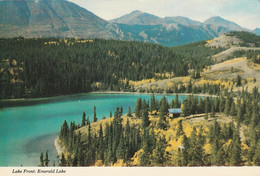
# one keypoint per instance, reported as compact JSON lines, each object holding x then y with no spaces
{"x":176,"y":102}
{"x":228,"y":103}
{"x":159,"y":152}
{"x":212,"y":111}
{"x":120,"y":151}
{"x":129,"y":114}
{"x":256,"y":158}
{"x":83,"y":123}
{"x":62,"y":160}
{"x":163,"y":112}
{"x":145,"y":118}
{"x":153,"y":103}
{"x":41,"y":160}
{"x":238,"y":80}
{"x":185,"y":150}
{"x":172,"y":104}
{"x":145,"y":160}
{"x":185,"y":108}
{"x":235,"y":155}
{"x":88,"y":122}
{"x":138,"y":108}
{"x":179,"y":157}
{"x":95,"y":115}
{"x":207,"y":106}
{"x":101,"y":148}
{"x":121,"y":111}
{"x":180,"y":129}
{"x":46,"y":161}
{"x":233,"y":109}
{"x":164,"y":106}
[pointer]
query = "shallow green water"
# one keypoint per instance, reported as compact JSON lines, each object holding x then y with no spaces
{"x":25,"y":131}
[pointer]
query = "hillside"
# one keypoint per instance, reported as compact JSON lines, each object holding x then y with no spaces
{"x":135,"y":67}
{"x":85,"y":65}
{"x":210,"y":132}
{"x":238,"y":55}
{"x":64,"y":19}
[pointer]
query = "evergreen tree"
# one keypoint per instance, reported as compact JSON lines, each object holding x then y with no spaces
{"x":62,"y":160}
{"x":163,"y":112}
{"x":164,"y":106}
{"x":172,"y":104}
{"x":120,"y":151}
{"x":207,"y":106}
{"x":235,"y":155}
{"x":129,"y":114}
{"x":101,"y":145}
{"x":95,"y":115}
{"x":176,"y":102}
{"x":159,"y":152}
{"x":41,"y":160}
{"x":46,"y":160}
{"x":83,"y":123}
{"x":233,"y":109}
{"x":180,"y":129}
{"x":212,"y":111}
{"x":121,"y":111}
{"x":238,"y":80}
{"x":138,"y":108}
{"x":153,"y":103}
{"x":185,"y":150}
{"x":88,"y":122}
{"x":256,"y":158}
{"x":179,"y":157}
{"x":185,"y":108}
{"x":145,"y":118}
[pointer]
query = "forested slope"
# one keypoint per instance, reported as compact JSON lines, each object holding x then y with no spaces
{"x":48,"y":67}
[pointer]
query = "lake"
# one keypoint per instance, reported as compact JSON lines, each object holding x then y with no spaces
{"x":26,"y":131}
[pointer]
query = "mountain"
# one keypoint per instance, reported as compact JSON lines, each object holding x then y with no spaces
{"x":61,"y":18}
{"x":182,"y":20}
{"x":228,"y":25}
{"x":45,"y":18}
{"x":138,"y":17}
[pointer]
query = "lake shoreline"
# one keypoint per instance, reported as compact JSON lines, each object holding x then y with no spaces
{"x":137,"y":93}
{"x":99,"y":92}
{"x":32,"y":101}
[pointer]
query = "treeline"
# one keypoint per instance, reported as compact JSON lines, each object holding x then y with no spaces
{"x":253,"y":55}
{"x":206,"y":88}
{"x":117,"y":142}
{"x":48,"y":67}
{"x":248,"y":39}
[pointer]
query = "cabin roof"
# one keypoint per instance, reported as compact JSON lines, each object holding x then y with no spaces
{"x":175,"y":111}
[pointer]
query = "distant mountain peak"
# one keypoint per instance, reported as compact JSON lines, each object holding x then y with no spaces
{"x":138,"y":17}
{"x":219,"y":21}
{"x":182,"y":20}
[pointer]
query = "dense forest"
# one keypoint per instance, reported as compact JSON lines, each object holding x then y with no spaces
{"x":228,"y":135}
{"x":49,"y":67}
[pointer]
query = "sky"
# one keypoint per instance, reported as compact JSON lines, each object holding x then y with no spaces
{"x":245,"y":13}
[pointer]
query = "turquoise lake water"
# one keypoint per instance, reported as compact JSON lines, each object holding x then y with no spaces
{"x":25,"y":131}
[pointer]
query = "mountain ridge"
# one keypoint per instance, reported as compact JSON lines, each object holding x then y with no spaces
{"x":64,"y":19}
